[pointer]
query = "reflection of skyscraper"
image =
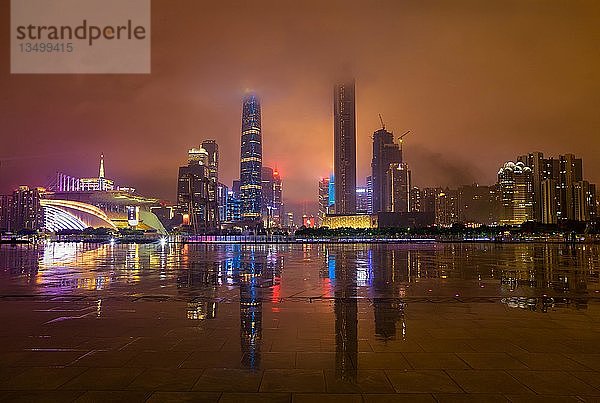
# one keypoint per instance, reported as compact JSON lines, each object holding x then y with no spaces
{"x":346,"y":315}
{"x":387,"y":263}
{"x":256,"y":271}
{"x":251,"y":158}
{"x":344,"y":148}
{"x":250,"y":312}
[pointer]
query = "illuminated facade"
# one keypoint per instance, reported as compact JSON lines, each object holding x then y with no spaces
{"x":516,"y":186}
{"x":323,"y":200}
{"x":344,"y":119}
{"x":212,"y":149}
{"x":570,"y":199}
{"x":196,"y":195}
{"x":23,"y":210}
{"x":362,"y":200}
{"x":251,"y":159}
{"x":334,"y":221}
{"x":272,"y":197}
{"x":110,"y":209}
{"x":398,"y":188}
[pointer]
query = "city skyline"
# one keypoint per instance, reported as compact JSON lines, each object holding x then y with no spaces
{"x":491,"y":96}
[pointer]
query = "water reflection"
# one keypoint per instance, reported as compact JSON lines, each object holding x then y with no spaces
{"x":345,"y":271}
{"x":375,"y":284}
{"x":379,"y":272}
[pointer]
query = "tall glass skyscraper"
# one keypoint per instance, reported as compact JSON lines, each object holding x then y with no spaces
{"x":251,"y":159}
{"x":344,"y":137}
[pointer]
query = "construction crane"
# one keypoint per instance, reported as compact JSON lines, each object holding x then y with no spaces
{"x":381,"y":120}
{"x":401,"y":137}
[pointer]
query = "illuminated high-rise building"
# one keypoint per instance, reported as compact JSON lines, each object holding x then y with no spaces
{"x":323,"y":200}
{"x":251,"y":159}
{"x":362,"y":200}
{"x":398,"y":188}
{"x":344,"y":121}
{"x":272,"y":203}
{"x":385,"y":153}
{"x":559,"y":189}
{"x":277,"y":198}
{"x":212,"y":149}
{"x":26,"y":210}
{"x":196,"y":195}
{"x":516,"y":186}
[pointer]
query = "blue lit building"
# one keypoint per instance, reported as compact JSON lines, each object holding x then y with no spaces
{"x":251,"y":159}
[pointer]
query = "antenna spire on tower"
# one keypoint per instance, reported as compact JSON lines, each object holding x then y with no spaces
{"x":101,"y":166}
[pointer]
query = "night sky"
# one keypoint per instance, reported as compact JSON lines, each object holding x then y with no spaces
{"x":477,"y":82}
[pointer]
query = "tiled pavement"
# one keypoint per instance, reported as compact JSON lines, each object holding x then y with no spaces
{"x":295,"y":351}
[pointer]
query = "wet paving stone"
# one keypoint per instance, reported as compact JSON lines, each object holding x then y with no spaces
{"x":255,"y":323}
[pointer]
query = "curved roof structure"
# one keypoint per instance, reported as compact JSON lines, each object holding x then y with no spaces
{"x":67,"y":214}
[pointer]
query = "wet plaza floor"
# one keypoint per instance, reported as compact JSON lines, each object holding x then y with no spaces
{"x":300,"y":323}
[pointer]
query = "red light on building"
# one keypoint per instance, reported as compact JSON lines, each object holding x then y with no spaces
{"x":308,"y":221}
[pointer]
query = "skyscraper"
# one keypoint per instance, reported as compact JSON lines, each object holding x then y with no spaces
{"x":385,"y":153}
{"x":398,"y":188}
{"x":277,"y":213}
{"x":26,"y":211}
{"x":251,"y":158}
{"x":344,"y":126}
{"x":323,"y":199}
{"x":267,"y":195}
{"x":212,"y":148}
{"x":196,"y":195}
{"x":516,"y":186}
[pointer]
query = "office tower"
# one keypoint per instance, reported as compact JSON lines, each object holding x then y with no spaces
{"x":398,"y":188}
{"x":26,"y":211}
{"x":198,"y":155}
{"x":385,"y":153}
{"x":331,"y":208}
{"x":222,"y":200}
{"x":251,"y":158}
{"x":323,"y":200}
{"x":516,"y":186}
{"x":234,"y":206}
{"x":362,"y":200}
{"x":271,"y":197}
{"x":370,"y":193}
{"x":344,"y":121}
{"x":277,"y":212}
{"x":196,"y":195}
{"x":212,"y":149}
{"x":235,"y":188}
